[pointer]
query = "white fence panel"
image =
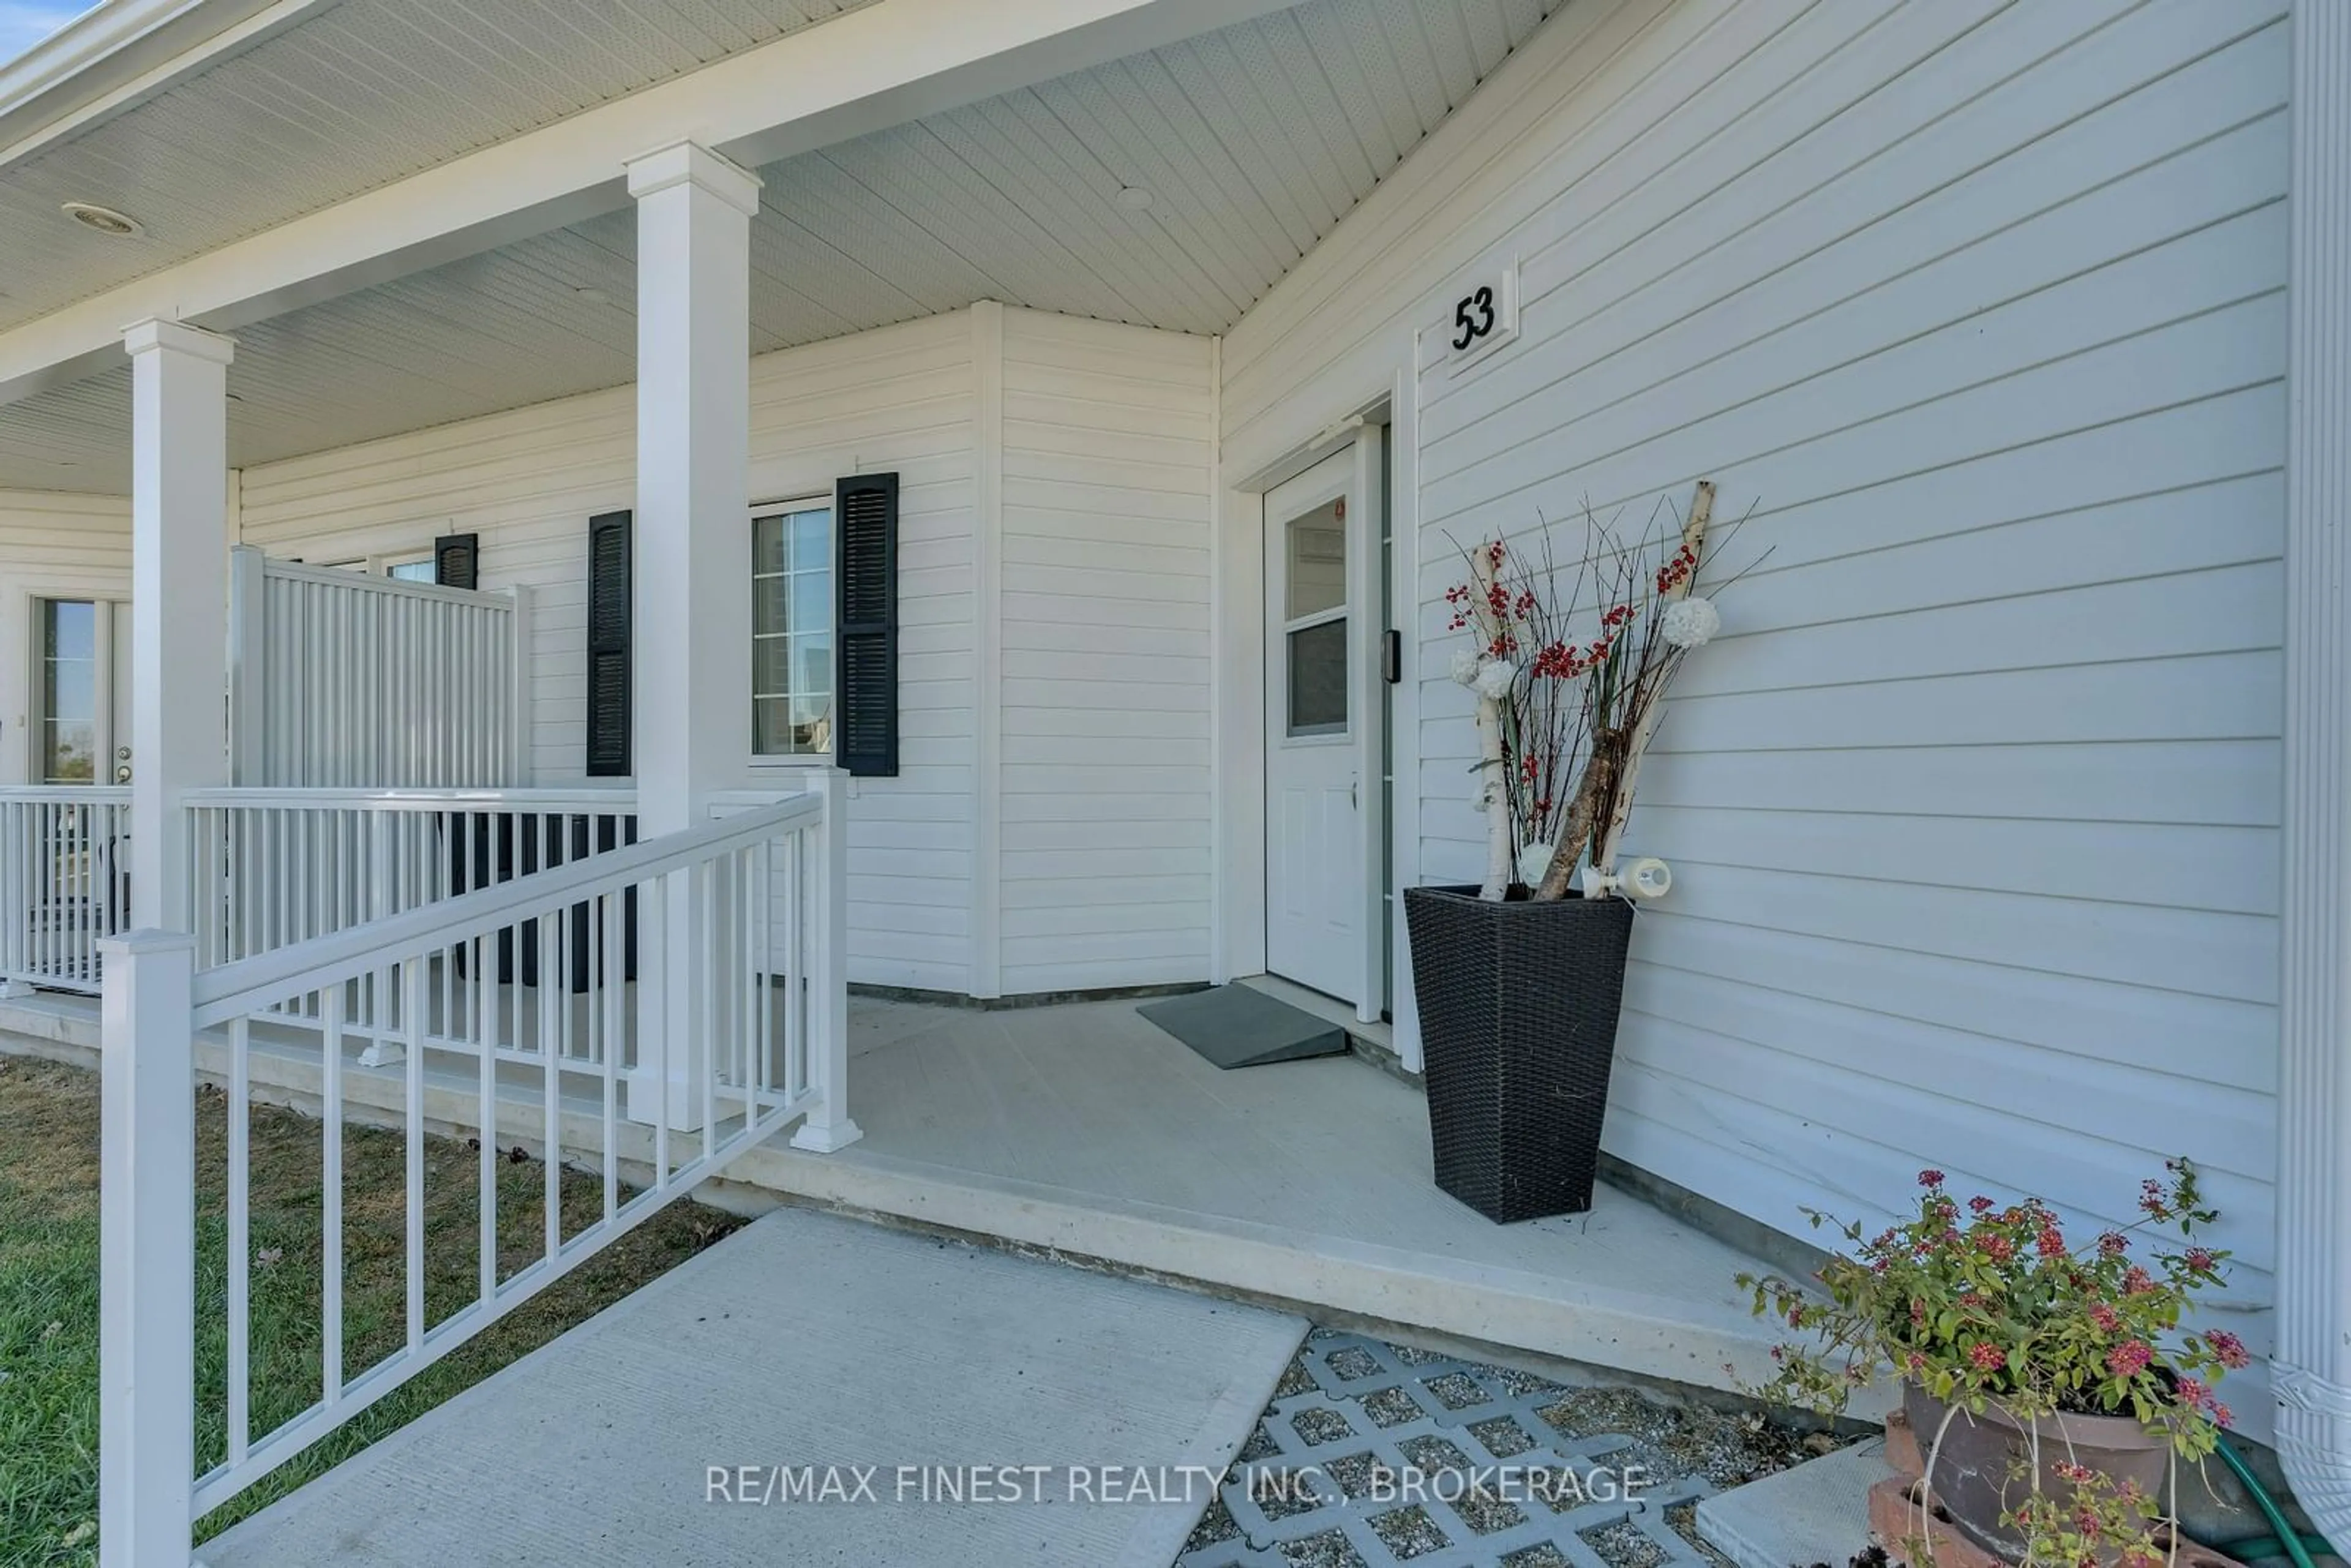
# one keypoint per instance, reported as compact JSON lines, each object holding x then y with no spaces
{"x":271,"y":868}
{"x":64,"y":881}
{"x":673,"y":1049}
{"x":338,"y":679}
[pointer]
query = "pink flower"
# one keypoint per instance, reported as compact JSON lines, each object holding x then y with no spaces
{"x":2114,"y":1244}
{"x":2220,"y":1414}
{"x":2192,"y":1394}
{"x":1979,"y":1203}
{"x":2067,"y":1470}
{"x":1930,"y":1178}
{"x":2129,"y":1358}
{"x":1997,"y":1248}
{"x":2051,"y":1241}
{"x":2136,"y":1282}
{"x":2200,"y":1262}
{"x":2227,"y":1350}
{"x":2105,"y":1317}
{"x":1987,"y":1356}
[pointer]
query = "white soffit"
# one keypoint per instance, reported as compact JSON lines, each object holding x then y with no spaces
{"x":358,"y":95}
{"x":1253,"y":142}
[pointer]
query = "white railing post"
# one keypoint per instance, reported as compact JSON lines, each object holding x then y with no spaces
{"x":16,"y":897}
{"x":828,"y":1126}
{"x":249,"y":662}
{"x":147,"y":1253}
{"x":519,"y":635}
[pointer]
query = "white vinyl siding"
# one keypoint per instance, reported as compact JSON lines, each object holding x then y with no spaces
{"x":1973,"y":807}
{"x":1109,"y":447}
{"x":528,"y":481}
{"x":52,"y":546}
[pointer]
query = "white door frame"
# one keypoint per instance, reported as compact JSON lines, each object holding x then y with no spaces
{"x":1264,"y":458}
{"x":108,"y":727}
{"x":1368,"y":698}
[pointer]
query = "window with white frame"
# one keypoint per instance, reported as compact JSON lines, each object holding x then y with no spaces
{"x":791,"y":631}
{"x":404,"y":567}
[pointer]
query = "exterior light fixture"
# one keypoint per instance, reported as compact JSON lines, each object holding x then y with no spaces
{"x":105,"y":220}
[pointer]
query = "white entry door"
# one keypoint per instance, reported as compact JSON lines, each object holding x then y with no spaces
{"x":1316,"y":792}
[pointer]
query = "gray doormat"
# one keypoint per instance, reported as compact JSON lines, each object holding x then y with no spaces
{"x":1234,"y":1026}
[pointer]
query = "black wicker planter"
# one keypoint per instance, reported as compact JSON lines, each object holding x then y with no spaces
{"x":1518,"y":1029}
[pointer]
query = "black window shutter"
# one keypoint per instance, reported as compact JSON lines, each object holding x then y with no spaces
{"x":865,"y":634}
{"x":607,"y":646}
{"x":456,"y":561}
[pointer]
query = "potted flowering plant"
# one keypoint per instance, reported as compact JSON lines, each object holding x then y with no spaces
{"x":2048,"y":1384}
{"x":1518,"y":979}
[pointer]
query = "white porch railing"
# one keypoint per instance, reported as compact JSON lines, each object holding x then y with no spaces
{"x":675,"y":1056}
{"x":339,"y":679}
{"x":272,"y":868}
{"x":64,"y":881}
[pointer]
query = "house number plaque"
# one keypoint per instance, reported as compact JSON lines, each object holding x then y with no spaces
{"x":1485,"y":314}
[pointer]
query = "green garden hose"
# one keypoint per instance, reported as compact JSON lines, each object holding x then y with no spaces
{"x":2283,"y":1535}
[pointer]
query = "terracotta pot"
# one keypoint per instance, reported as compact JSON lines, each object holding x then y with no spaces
{"x":1978,"y":1470}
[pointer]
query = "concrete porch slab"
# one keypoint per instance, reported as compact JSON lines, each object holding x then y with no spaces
{"x":1084,"y":1132}
{"x":808,"y":1340}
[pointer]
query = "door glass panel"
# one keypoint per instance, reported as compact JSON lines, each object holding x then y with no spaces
{"x":1318,"y":562}
{"x":69,"y":691}
{"x":1318,"y":679}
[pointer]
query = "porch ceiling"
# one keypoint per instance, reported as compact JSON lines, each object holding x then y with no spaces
{"x":1253,"y":140}
{"x":353,"y":96}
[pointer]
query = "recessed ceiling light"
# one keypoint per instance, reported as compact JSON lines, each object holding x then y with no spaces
{"x":105,"y":220}
{"x":593,"y":295}
{"x":1134,"y":198}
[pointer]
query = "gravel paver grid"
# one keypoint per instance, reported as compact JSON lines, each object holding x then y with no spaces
{"x":1350,"y":1405}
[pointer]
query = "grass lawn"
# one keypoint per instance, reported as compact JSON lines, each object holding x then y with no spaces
{"x":48,"y":1290}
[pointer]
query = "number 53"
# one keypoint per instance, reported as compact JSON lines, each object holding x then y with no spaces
{"x":1475,"y":316}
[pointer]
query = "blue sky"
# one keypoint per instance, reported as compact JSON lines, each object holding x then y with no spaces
{"x":24,"y":23}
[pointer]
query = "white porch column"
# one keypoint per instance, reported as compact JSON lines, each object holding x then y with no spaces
{"x":692,"y":550}
{"x":2310,"y":1368}
{"x":179,"y":601}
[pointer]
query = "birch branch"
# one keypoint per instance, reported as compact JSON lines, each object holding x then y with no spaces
{"x":1590,"y":791}
{"x":1604,"y":855}
{"x":1489,"y":767}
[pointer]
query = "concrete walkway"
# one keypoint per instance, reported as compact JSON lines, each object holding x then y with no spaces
{"x":674,"y":1428}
